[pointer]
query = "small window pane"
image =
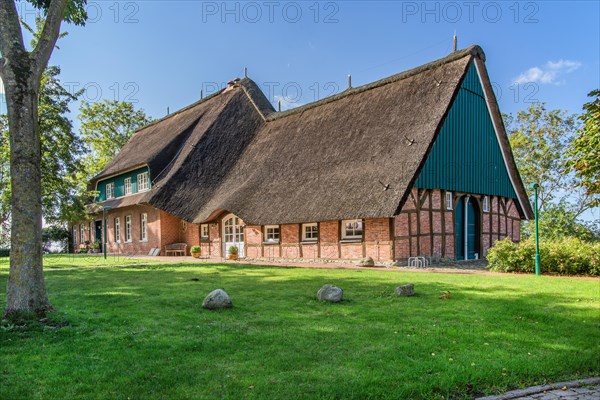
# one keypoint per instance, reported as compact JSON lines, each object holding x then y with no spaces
{"x":448,"y":200}
{"x":127,"y":186}
{"x":272,"y":233}
{"x":142,"y":181}
{"x":352,"y":229}
{"x":117,"y":230}
{"x":310,"y":232}
{"x":110,"y":190}
{"x":204,"y":230}
{"x":128,"y":228}
{"x":144,"y":227}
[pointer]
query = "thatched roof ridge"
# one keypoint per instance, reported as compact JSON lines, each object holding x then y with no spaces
{"x":312,"y":166}
{"x":257,"y":97}
{"x":157,"y":143}
{"x":474,"y":50}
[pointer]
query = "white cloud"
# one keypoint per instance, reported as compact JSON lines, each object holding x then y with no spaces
{"x":549,"y":72}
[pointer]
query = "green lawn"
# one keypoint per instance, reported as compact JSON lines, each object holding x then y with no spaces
{"x":52,"y":261}
{"x":140,"y":333}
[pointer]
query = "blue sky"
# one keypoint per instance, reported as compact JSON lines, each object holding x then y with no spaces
{"x":163,"y":53}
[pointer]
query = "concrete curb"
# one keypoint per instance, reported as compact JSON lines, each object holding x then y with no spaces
{"x":513,"y":394}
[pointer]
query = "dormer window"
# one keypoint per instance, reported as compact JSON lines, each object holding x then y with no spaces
{"x":110,"y":190}
{"x":142,"y":181}
{"x":127,"y":184}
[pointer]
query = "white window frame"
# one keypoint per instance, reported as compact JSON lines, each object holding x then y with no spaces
{"x":117,"y":230}
{"x":81,"y":234}
{"x":449,"y":200}
{"x":143,"y":182}
{"x":127,"y":186}
{"x":486,"y":204}
{"x":128,"y":229}
{"x":110,"y":194}
{"x":75,"y":235}
{"x":144,"y":227}
{"x":204,"y":231}
{"x":354,"y":235}
{"x":272,"y":234}
{"x":305,"y":237}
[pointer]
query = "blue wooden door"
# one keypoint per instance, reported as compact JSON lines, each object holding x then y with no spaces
{"x":466,"y":229}
{"x":459,"y":228}
{"x":471,"y":228}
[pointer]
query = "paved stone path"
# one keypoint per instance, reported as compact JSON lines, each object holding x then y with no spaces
{"x":583,"y":389}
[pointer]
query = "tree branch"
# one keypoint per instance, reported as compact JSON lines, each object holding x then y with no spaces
{"x":11,"y":37}
{"x":49,"y":36}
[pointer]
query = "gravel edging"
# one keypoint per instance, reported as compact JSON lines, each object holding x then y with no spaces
{"x":513,"y":394}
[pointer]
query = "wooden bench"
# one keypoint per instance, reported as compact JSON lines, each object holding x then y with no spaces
{"x":176,"y":249}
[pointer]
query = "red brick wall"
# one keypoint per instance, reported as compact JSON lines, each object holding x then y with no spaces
{"x":329,"y":239}
{"x":253,"y":241}
{"x":175,"y":230}
{"x":136,"y":246}
{"x":290,"y":240}
{"x":162,"y":229}
{"x":377,"y":242}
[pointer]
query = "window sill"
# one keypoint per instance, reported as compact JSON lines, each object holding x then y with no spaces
{"x":309,"y":242}
{"x":270,"y":243}
{"x":356,"y":240}
{"x":144,"y":241}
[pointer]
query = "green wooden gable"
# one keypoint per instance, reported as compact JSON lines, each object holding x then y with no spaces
{"x":119,"y":181}
{"x":466,"y":156}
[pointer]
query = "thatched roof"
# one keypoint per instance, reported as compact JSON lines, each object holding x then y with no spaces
{"x":353,"y":155}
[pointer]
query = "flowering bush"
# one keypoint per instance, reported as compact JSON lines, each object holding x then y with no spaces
{"x":568,"y":256}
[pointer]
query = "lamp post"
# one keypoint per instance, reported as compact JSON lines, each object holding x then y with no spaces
{"x":104,"y":231}
{"x":535,"y":187}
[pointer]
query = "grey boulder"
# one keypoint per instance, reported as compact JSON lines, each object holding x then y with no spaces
{"x":216,"y":299}
{"x":366,"y":262}
{"x":406,"y":290}
{"x":330,"y":293}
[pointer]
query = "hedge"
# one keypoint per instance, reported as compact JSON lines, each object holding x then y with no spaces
{"x":569,"y":256}
{"x":4,"y":252}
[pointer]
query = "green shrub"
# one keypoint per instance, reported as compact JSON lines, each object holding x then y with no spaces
{"x":568,"y":256}
{"x":4,"y":252}
{"x":233,"y":250}
{"x":195,"y":249}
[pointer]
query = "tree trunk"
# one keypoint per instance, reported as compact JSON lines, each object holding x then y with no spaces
{"x":26,"y":289}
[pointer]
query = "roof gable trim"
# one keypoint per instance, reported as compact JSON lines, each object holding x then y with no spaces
{"x":497,"y":130}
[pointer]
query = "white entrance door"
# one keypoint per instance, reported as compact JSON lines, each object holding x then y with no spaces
{"x":233,"y":234}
